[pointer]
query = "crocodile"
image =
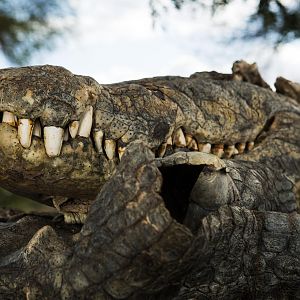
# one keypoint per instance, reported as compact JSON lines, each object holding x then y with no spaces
{"x":188,"y":188}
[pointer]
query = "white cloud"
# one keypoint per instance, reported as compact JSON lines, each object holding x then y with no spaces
{"x":114,"y":41}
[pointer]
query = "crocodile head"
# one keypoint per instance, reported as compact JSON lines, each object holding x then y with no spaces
{"x":154,"y":230}
{"x":63,"y":135}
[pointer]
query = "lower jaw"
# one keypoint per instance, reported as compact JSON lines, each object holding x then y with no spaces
{"x":30,"y":172}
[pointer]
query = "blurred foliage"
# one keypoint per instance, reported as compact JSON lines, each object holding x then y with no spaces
{"x":276,"y":20}
{"x":29,"y":25}
{"x":10,"y":200}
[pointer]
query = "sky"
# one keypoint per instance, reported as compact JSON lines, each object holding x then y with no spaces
{"x":114,"y":40}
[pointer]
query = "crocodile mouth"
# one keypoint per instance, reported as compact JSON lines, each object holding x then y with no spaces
{"x":49,"y":160}
{"x":55,"y":138}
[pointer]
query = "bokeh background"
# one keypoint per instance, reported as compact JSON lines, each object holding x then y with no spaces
{"x":115,"y":40}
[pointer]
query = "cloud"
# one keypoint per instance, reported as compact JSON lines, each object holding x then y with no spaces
{"x":114,"y":41}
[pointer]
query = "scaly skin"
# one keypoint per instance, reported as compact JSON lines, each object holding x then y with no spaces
{"x":149,"y":110}
{"x":234,"y":231}
{"x":131,"y":247}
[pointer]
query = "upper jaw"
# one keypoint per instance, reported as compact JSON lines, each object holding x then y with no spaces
{"x":50,"y":93}
{"x":51,"y":103}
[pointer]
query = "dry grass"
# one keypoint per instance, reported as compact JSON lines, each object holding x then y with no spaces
{"x":12,"y":201}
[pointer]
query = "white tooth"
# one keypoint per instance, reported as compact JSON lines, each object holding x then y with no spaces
{"x":73,"y":128}
{"x":121,"y":151}
{"x":179,"y":139}
{"x":188,"y":139}
{"x":229,"y":151}
{"x":66,"y":135}
{"x":218,"y":150}
{"x":162,"y":149}
{"x":9,"y":118}
{"x":193,"y":145}
{"x":25,"y":132}
{"x":169,"y":141}
{"x":250,"y":146}
{"x":204,"y":147}
{"x":110,"y":148}
{"x":37,"y":129}
{"x":241,"y":147}
{"x":86,"y":122}
{"x":53,"y":138}
{"x":98,"y":138}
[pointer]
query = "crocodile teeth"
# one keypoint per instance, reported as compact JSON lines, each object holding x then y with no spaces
{"x":86,"y":122}
{"x":9,"y":118}
{"x":204,"y":147}
{"x":53,"y":138}
{"x":66,"y":135}
{"x":110,"y":148}
{"x":229,"y":151}
{"x":250,"y":146}
{"x":98,"y":138}
{"x":73,"y":128}
{"x":162,"y":150}
{"x":188,"y":139}
{"x":121,"y":151}
{"x":241,"y":147}
{"x":193,"y":145}
{"x":191,"y":142}
{"x":25,"y":132}
{"x":179,"y":139}
{"x":164,"y":147}
{"x":218,"y":150}
{"x":37,"y":129}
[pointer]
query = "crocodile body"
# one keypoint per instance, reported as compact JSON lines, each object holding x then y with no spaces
{"x":195,"y":180}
